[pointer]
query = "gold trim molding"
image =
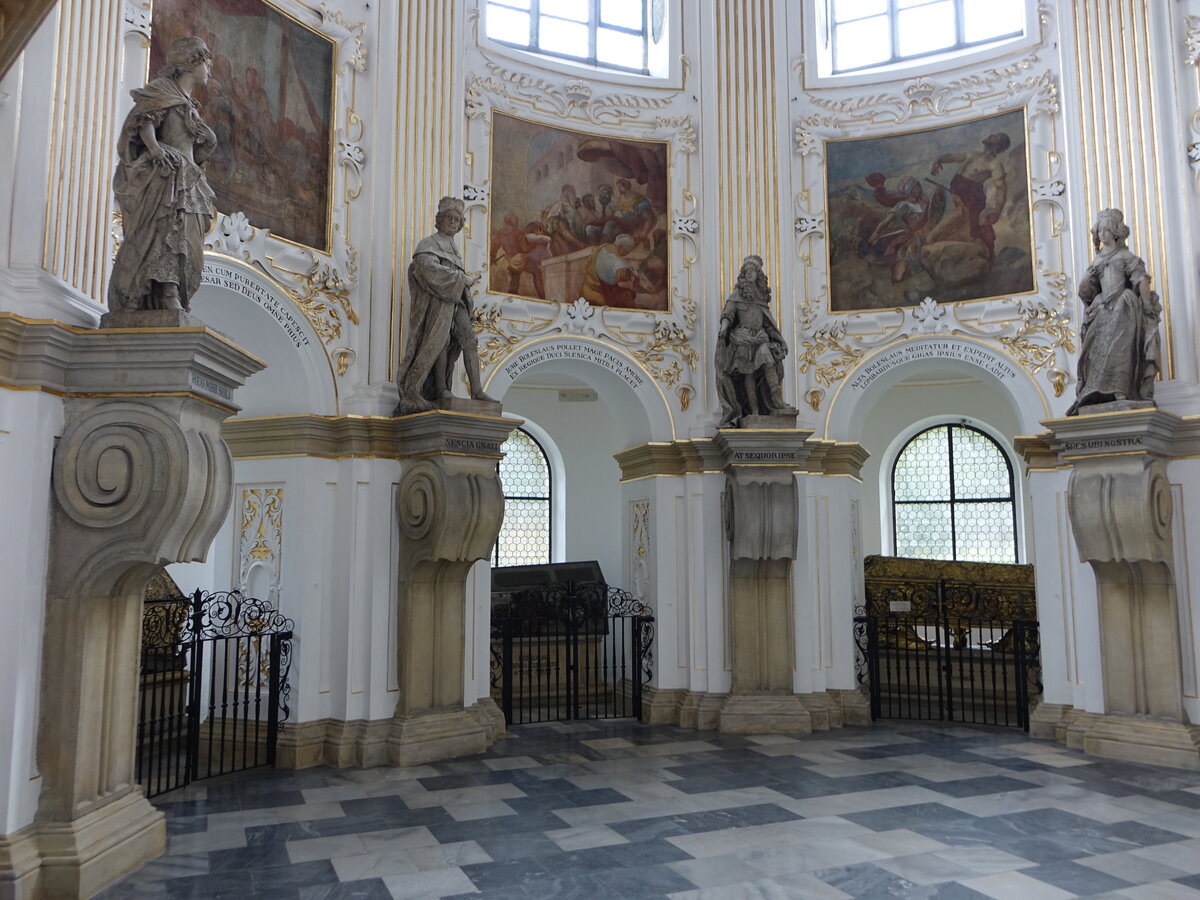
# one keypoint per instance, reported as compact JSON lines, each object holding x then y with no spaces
{"x":1039,"y":330}
{"x":322,"y":285}
{"x":702,"y":456}
{"x":661,"y":342}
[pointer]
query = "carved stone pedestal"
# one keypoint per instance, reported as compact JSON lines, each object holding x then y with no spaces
{"x":141,"y":478}
{"x":761,"y":516}
{"x":1119,"y":499}
{"x":450,"y":507}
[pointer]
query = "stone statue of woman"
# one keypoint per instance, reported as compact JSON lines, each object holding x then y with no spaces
{"x":166,"y":203}
{"x":1120,"y":350}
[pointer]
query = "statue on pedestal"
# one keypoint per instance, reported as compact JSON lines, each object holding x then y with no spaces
{"x":166,"y":203}
{"x":1120,"y":351}
{"x":439,"y":319}
{"x":750,"y":351}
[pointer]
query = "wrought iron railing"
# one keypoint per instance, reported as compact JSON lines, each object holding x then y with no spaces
{"x":207,"y":660}
{"x":578,"y":650}
{"x":946,"y":649}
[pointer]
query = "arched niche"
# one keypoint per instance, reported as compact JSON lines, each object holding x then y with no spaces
{"x":591,"y":402}
{"x":640,"y":409}
{"x":907,"y":386}
{"x":939,"y":359}
{"x":250,"y":310}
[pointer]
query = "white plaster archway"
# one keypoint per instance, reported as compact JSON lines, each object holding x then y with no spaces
{"x":638,"y":404}
{"x":903,"y":360}
{"x":257,"y":316}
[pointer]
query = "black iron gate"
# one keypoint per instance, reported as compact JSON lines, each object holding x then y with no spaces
{"x":578,"y":650}
{"x":214,"y":687}
{"x":949,"y":651}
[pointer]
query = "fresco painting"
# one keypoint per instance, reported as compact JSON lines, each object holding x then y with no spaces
{"x":578,"y":215}
{"x":941,"y":213}
{"x":270,"y":101}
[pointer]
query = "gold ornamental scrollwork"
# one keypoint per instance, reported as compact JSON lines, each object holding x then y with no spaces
{"x":661,"y":343}
{"x":322,"y":284}
{"x":1036,"y":330}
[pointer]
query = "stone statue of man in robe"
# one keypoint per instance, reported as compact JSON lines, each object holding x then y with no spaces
{"x":439,"y":328}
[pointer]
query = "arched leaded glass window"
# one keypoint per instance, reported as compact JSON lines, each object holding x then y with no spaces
{"x":525,"y":480}
{"x":952,"y":497}
{"x":611,"y":34}
{"x":869,"y":33}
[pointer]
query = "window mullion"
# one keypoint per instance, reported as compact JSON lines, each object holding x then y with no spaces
{"x":535,"y":24}
{"x":953,"y":505}
{"x":593,"y":27}
{"x":894,"y":29}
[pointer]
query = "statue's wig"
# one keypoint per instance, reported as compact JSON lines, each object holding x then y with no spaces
{"x":1115,"y":220}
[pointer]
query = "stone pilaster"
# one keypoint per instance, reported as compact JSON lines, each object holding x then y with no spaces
{"x":140,"y":478}
{"x":762,"y":523}
{"x":1119,"y":501}
{"x":450,"y":507}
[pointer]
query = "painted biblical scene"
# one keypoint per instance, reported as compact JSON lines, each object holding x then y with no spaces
{"x":941,"y":213}
{"x":578,"y":215}
{"x":270,"y":102}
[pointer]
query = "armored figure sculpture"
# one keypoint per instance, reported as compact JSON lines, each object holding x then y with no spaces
{"x":750,"y":351}
{"x":439,"y":319}
{"x":1120,"y":350}
{"x":166,"y":203}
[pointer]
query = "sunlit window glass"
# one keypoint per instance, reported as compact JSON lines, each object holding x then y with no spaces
{"x":867,"y":33}
{"x":525,"y":480}
{"x":613,"y":34}
{"x":952,"y":497}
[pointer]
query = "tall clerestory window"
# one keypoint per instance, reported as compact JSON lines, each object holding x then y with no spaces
{"x":525,"y":480}
{"x":869,"y":33}
{"x":952,"y":497}
{"x":611,"y":34}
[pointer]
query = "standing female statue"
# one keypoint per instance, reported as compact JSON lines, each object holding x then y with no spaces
{"x":166,"y":203}
{"x":1120,"y":351}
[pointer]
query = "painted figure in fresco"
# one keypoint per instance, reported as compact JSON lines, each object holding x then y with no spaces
{"x":166,"y":203}
{"x":439,"y":319}
{"x":609,"y":278}
{"x":981,"y":188}
{"x":1120,"y":353}
{"x":750,"y":351}
{"x":899,"y":238}
{"x":514,"y":251}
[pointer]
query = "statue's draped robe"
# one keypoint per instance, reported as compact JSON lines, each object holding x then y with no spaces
{"x":437,"y":284}
{"x":165,"y":212}
{"x":1119,"y":349}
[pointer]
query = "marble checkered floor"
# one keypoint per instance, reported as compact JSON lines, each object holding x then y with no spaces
{"x":616,"y":809}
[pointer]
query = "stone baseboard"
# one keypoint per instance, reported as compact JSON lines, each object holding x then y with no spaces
{"x":434,"y":735}
{"x":702,"y":711}
{"x":1131,"y":738}
{"x":764,"y":714}
{"x":855,"y":706}
{"x":364,"y":743}
{"x":81,"y":857}
{"x":19,"y":864}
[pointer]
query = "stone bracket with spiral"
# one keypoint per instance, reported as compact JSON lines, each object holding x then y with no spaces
{"x":141,"y":477}
{"x":1120,"y":507}
{"x":449,"y":507}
